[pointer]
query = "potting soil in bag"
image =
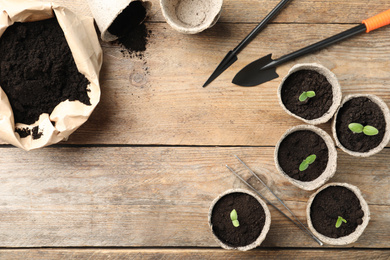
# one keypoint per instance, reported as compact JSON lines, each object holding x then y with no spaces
{"x":37,"y":70}
{"x":50,"y":61}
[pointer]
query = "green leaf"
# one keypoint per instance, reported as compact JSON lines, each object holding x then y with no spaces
{"x":339,"y":221}
{"x":311,"y":158}
{"x":233,"y":215}
{"x":236,"y":223}
{"x":355,"y":127}
{"x":303,"y":97}
{"x":303,"y":166}
{"x":370,"y":130}
{"x":310,"y":94}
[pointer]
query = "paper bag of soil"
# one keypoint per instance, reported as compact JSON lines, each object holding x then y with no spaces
{"x":67,"y":116}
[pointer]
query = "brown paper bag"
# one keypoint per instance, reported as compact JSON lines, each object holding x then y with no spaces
{"x":83,"y":42}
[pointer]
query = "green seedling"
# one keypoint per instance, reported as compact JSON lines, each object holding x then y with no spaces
{"x":339,"y":221}
{"x":234,"y":217}
{"x":305,"y":164}
{"x":359,"y":128}
{"x":306,"y":94}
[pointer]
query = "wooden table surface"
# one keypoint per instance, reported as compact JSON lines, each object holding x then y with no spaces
{"x":137,"y":179}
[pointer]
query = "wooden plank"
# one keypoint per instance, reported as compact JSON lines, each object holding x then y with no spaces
{"x":159,"y":100}
{"x":157,"y":196}
{"x":170,"y":107}
{"x":99,"y":254}
{"x":253,"y":11}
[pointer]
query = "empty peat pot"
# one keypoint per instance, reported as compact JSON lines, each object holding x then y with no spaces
{"x":191,"y":16}
{"x":366,"y":110}
{"x":297,"y":88}
{"x":252,"y":215}
{"x":294,"y":149}
{"x":337,"y":213}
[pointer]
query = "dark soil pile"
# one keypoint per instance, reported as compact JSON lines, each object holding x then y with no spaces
{"x":135,"y":42}
{"x":296,"y":147}
{"x":331,"y":203}
{"x":131,"y":32}
{"x":251,"y":217}
{"x":130,"y":18}
{"x":307,"y":80}
{"x":24,"y":132}
{"x":37,"y":70}
{"x":363,"y":111}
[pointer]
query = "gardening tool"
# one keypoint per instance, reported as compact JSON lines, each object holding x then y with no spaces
{"x":299,"y":223}
{"x":264,"y":69}
{"x":231,"y":57}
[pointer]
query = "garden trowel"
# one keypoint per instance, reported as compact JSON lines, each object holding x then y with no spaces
{"x":264,"y":69}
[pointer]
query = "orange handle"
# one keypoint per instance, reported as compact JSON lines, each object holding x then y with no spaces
{"x":377,"y":21}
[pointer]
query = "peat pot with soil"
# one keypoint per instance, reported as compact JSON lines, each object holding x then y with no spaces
{"x":239,"y":219}
{"x":119,"y":19}
{"x":306,"y":156}
{"x":361,"y":126}
{"x":310,"y":92}
{"x":337,"y":213}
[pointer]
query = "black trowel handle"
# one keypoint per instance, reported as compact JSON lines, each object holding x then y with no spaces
{"x":321,"y":44}
{"x":260,"y":26}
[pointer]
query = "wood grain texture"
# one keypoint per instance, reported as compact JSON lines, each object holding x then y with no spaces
{"x":157,"y":196}
{"x":253,"y":11}
{"x":144,"y":169}
{"x":173,"y":254}
{"x":159,"y":99}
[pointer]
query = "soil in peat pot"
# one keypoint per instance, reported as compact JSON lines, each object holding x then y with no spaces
{"x":251,"y":217}
{"x":37,"y":70}
{"x":331,"y":203}
{"x":128,"y":19}
{"x":131,"y":32}
{"x":296,"y":147}
{"x":307,"y":80}
{"x":363,"y":111}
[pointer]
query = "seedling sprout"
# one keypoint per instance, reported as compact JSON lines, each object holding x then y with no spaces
{"x":233,"y":217}
{"x":305,"y":163}
{"x":306,"y":94}
{"x":339,"y":221}
{"x":359,"y":128}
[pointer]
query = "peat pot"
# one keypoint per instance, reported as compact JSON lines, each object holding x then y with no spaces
{"x":252,"y":215}
{"x":337,"y":213}
{"x":310,"y":92}
{"x":297,"y":146}
{"x":191,"y":16}
{"x":367,"y":111}
{"x":116,"y":19}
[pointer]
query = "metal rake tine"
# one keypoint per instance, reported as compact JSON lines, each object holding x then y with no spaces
{"x":270,"y":203}
{"x":296,"y":218}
